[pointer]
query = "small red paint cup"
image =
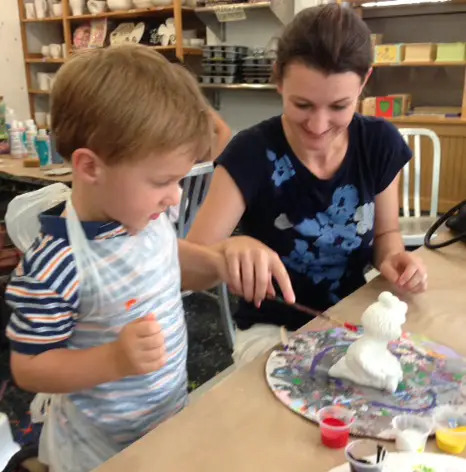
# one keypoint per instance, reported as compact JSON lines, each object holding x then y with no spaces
{"x":335,"y":424}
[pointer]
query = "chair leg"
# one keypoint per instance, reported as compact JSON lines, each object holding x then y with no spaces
{"x":225,"y":313}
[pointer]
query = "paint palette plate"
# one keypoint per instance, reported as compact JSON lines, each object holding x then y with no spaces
{"x":415,"y":462}
{"x":433,"y":377}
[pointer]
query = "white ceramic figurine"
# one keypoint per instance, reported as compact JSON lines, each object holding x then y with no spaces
{"x":368,"y":361}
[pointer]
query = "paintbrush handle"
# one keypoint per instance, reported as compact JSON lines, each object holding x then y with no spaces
{"x":315,"y":313}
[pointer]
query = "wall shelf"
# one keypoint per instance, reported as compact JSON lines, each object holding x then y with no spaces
{"x":421,"y":64}
{"x":43,"y":60}
{"x":283,"y":10}
{"x":239,"y":86}
{"x":134,"y":13}
{"x":41,"y":20}
{"x":428,"y":119}
{"x":38,"y":92}
{"x":68,"y":22}
{"x":216,"y":89}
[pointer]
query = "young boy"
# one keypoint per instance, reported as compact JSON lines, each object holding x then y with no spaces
{"x":97,"y":315}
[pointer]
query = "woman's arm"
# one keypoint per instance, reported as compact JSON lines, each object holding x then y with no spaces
{"x":250,"y":264}
{"x":222,"y":134}
{"x":402,"y":268}
{"x":221,"y":211}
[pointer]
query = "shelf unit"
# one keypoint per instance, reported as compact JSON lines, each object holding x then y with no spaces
{"x":66,"y":23}
{"x":283,"y":10}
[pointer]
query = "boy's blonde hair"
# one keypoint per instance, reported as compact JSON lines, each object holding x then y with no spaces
{"x":126,"y":102}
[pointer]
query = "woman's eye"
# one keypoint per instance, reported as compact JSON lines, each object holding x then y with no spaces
{"x":339,"y":107}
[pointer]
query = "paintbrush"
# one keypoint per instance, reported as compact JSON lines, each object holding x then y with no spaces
{"x":315,"y":313}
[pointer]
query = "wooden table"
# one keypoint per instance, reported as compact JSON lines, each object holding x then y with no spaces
{"x":13,"y":169}
{"x":239,"y":426}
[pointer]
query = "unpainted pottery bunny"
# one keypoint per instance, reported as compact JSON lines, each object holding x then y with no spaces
{"x":368,"y":361}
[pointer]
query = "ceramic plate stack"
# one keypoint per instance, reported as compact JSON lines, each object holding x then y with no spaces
{"x":222,"y":64}
{"x":258,"y":67}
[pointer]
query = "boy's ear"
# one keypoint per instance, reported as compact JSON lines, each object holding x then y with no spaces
{"x":87,"y":166}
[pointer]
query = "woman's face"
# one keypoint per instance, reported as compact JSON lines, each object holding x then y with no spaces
{"x":317,"y":107}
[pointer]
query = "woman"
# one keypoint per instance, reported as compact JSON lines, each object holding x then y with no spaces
{"x":318,"y":185}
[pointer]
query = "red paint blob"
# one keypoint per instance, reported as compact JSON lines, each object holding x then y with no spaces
{"x":334,"y":438}
{"x":351,"y":327}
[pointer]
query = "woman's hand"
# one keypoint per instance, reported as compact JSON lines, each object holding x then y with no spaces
{"x":250,"y":267}
{"x":406,"y":270}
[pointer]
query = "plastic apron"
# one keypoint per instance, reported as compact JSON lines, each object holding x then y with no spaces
{"x":111,"y":273}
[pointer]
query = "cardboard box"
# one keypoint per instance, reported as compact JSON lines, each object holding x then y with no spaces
{"x":376,"y":39}
{"x":406,"y":102}
{"x":388,"y":107}
{"x":420,"y":52}
{"x":368,"y":106}
{"x":451,"y":52}
{"x":389,"y":53}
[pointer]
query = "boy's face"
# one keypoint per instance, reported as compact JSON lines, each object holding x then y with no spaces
{"x":135,"y":193}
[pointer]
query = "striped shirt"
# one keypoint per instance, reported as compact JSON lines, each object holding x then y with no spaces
{"x":51,"y":309}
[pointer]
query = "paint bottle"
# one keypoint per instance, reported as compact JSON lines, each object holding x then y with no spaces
{"x":17,"y":148}
{"x":4,"y":147}
{"x":31,"y":134}
{"x":43,"y":148}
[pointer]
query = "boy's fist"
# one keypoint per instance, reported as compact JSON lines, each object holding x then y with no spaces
{"x":140,"y":348}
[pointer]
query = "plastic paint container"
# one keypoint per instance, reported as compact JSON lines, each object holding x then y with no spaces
{"x":412,"y":432}
{"x":335,"y":424}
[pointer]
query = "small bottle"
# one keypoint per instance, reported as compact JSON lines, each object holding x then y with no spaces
{"x":31,"y":134}
{"x":43,"y":147}
{"x":4,"y":144}
{"x":10,"y":117}
{"x":22,"y":127}
{"x":17,"y":148}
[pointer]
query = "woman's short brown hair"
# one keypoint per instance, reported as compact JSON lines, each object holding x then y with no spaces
{"x":329,"y":38}
{"x":126,"y":102}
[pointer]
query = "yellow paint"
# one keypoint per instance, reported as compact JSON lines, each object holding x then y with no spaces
{"x":452,"y":440}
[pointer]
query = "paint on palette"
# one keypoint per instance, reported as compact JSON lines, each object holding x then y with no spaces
{"x":299,"y":378}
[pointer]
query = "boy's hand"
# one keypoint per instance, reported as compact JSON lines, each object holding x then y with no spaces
{"x":249,"y":268}
{"x":140,"y":348}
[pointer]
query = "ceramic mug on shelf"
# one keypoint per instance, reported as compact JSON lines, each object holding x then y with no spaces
{"x":30,"y":11}
{"x":77,"y":7}
{"x":45,"y":50}
{"x":96,"y":6}
{"x":40,"y":117}
{"x":55,"y":50}
{"x":51,"y":80}
{"x":57,"y":9}
{"x":43,"y":81}
{"x":41,"y":8}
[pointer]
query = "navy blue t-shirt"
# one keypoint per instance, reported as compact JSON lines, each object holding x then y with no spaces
{"x":323,"y":230}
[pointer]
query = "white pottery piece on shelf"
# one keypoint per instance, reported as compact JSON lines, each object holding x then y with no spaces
{"x":77,"y":7}
{"x":119,"y":5}
{"x":161,"y":3}
{"x":41,"y":8}
{"x":30,"y":11}
{"x":368,"y":361}
{"x":96,"y":6}
{"x":137,"y":33}
{"x":140,"y":4}
{"x":55,"y":50}
{"x":57,"y":9}
{"x":121,"y":33}
{"x":45,"y":50}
